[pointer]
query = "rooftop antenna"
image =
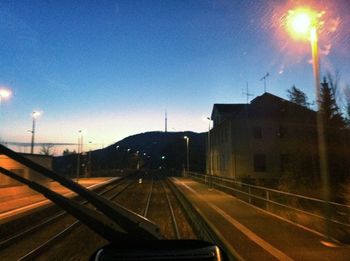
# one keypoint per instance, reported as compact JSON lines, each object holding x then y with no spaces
{"x":264,"y":78}
{"x":166,"y":121}
{"x":246,"y":93}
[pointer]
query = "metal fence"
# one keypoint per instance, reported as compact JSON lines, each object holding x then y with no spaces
{"x":310,"y":212}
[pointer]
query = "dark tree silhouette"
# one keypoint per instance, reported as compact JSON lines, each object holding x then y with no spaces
{"x":297,"y":96}
{"x":47,"y":149}
{"x":328,"y":101}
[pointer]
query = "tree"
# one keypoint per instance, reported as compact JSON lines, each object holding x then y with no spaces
{"x":347,"y":101}
{"x":337,"y":137}
{"x":328,"y":101}
{"x":46,"y":149}
{"x":297,"y":96}
{"x":68,"y":152}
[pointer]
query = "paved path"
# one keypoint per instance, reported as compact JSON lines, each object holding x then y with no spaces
{"x":253,"y":234}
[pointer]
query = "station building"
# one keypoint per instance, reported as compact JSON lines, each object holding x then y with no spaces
{"x":14,"y":166}
{"x":262,"y":139}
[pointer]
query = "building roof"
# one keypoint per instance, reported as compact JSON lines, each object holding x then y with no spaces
{"x":227,"y":109}
{"x":266,"y":104}
{"x":268,"y":96}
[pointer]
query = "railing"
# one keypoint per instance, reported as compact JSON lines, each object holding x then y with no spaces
{"x":300,"y":209}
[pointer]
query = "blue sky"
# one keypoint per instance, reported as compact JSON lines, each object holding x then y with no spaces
{"x":113,"y":67}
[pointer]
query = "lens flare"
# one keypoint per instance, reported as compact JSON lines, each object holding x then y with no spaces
{"x":301,"y":21}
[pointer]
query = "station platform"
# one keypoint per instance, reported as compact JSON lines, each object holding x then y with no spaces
{"x":18,"y":200}
{"x":251,"y":233}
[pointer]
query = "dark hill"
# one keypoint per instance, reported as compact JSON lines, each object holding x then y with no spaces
{"x":148,"y":150}
{"x":171,"y":145}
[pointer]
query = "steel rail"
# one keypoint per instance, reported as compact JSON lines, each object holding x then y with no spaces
{"x":54,"y":239}
{"x":201,"y":225}
{"x":173,"y":218}
{"x":12,"y":239}
{"x":145,"y":212}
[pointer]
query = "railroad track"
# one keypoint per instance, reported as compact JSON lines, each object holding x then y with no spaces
{"x":162,"y":187}
{"x":148,"y":196}
{"x":64,"y":222}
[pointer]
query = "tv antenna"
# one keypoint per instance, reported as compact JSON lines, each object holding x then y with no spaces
{"x":264,"y":78}
{"x":247,"y":94}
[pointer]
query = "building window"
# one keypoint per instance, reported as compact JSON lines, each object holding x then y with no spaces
{"x":259,"y":163}
{"x":257,"y":133}
{"x":282,"y":131}
{"x":284,"y":162}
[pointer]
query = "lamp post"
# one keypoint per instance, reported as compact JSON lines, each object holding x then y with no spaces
{"x":187,"y":153}
{"x":80,"y":150}
{"x":303,"y":23}
{"x":35,"y":115}
{"x":209,"y":152}
{"x":89,"y":161}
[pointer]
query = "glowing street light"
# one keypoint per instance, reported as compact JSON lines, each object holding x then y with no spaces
{"x":4,"y":94}
{"x":35,"y":115}
{"x":303,"y":23}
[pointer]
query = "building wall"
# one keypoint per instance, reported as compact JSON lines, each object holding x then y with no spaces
{"x":278,"y":140}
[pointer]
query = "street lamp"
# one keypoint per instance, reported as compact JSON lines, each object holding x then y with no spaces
{"x":209,"y":147}
{"x":35,"y":115}
{"x":90,"y":163}
{"x":303,"y":24}
{"x":209,"y":151}
{"x":80,"y":150}
{"x":187,"y":153}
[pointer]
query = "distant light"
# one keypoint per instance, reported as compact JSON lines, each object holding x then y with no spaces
{"x":36,"y":114}
{"x":163,"y":157}
{"x":117,"y":147}
{"x":5,"y":93}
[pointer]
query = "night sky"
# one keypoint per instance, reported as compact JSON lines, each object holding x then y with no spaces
{"x":113,"y":67}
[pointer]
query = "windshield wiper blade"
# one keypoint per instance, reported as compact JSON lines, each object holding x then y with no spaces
{"x":129,"y":221}
{"x":93,"y":219}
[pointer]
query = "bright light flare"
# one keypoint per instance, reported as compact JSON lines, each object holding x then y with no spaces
{"x":5,"y":93}
{"x":301,"y":21}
